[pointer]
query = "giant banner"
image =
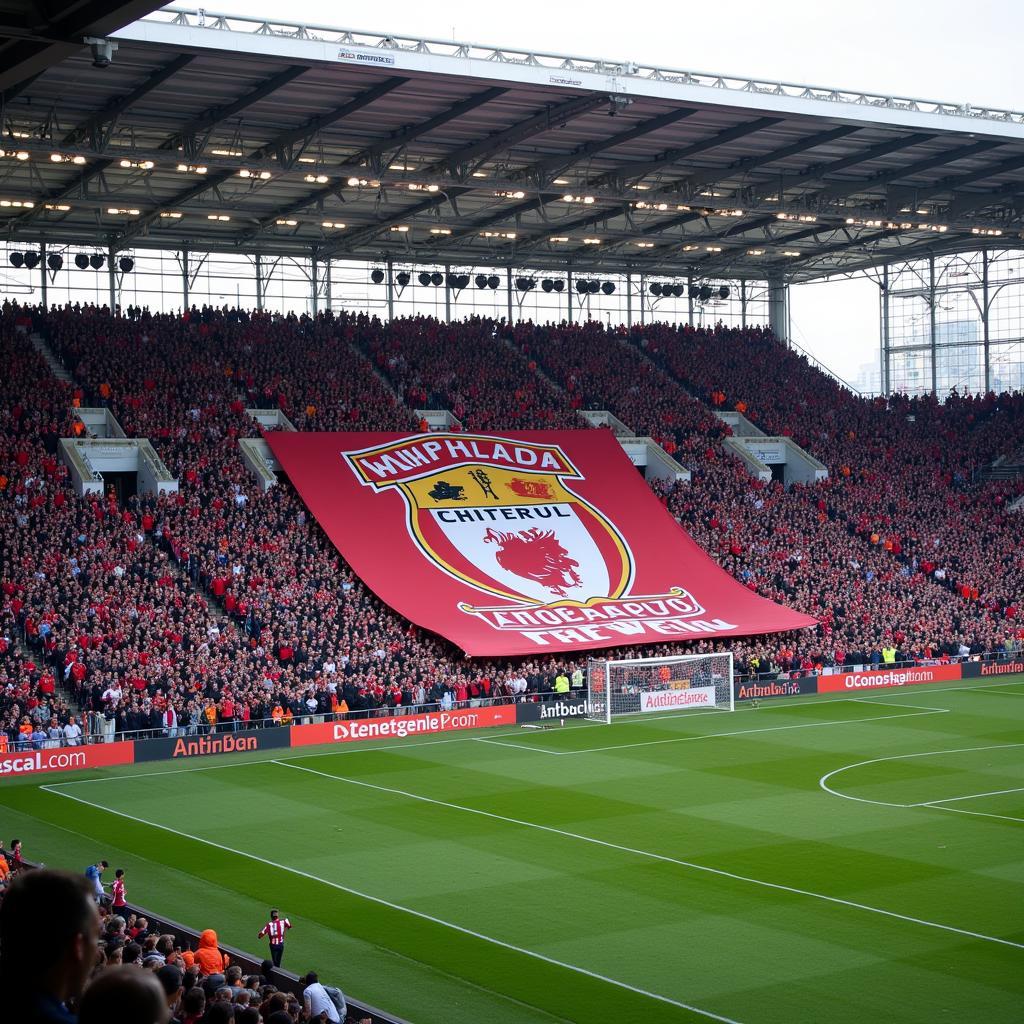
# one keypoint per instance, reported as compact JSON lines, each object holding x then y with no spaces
{"x":514,"y":544}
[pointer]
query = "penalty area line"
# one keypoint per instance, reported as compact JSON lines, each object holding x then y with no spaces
{"x":279,"y":866}
{"x":663,"y":858}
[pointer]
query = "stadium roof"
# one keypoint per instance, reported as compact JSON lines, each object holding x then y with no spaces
{"x":227,"y":133}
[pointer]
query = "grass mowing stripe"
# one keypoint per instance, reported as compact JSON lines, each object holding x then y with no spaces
{"x":663,"y":857}
{"x":55,"y":790}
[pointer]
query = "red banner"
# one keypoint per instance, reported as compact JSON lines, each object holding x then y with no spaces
{"x":538,"y":540}
{"x":916,"y":675}
{"x":66,"y":759}
{"x":400,"y":726}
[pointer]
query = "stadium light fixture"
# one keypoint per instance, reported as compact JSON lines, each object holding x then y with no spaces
{"x":57,"y":207}
{"x":55,"y":261}
{"x":547,"y":284}
{"x":608,"y":287}
{"x":316,"y":179}
{"x":402,"y":278}
{"x":16,"y":259}
{"x":559,"y":238}
{"x":258,"y":175}
{"x":423,"y":278}
{"x":723,"y":291}
{"x":593,"y":287}
{"x":17,"y":204}
{"x":170,"y":215}
{"x":66,"y":158}
{"x":655,"y":289}
{"x":480,"y":281}
{"x":437,"y":279}
{"x":192,"y":169}
{"x":31,"y":259}
{"x":96,"y":261}
{"x":559,"y":285}
{"x":377,"y":276}
{"x":333,"y":225}
{"x":82,"y":261}
{"x":440,"y":231}
{"x":127,"y":264}
{"x":493,"y":281}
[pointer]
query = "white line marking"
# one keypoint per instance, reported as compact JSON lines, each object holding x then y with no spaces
{"x":823,"y":781}
{"x":749,"y":732}
{"x":886,"y":704}
{"x":277,"y":865}
{"x":516,"y":746}
{"x":656,"y":856}
{"x":973,"y":796}
{"x":341,"y":748}
{"x":980,"y":814}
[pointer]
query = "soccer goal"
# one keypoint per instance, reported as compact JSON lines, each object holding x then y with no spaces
{"x":681,"y":683}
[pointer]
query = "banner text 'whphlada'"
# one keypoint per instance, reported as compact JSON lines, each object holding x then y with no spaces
{"x":510,"y":544}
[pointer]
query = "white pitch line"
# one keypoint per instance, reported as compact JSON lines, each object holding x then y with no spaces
{"x":279,"y":866}
{"x":973,"y":796}
{"x":341,"y":748}
{"x":823,"y":781}
{"x":719,"y":872}
{"x":979,"y":814}
{"x":750,"y":732}
{"x":514,"y":746}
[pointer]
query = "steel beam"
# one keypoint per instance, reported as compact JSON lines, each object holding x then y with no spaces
{"x":211,"y":181}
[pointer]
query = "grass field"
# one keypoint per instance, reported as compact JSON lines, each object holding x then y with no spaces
{"x":815,"y":859}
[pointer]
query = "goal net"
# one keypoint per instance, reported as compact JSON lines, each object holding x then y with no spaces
{"x":685,"y":682}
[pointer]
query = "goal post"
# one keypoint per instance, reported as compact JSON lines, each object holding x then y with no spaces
{"x":683,"y":682}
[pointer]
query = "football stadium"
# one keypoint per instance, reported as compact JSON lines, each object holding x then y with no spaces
{"x":438,"y":586}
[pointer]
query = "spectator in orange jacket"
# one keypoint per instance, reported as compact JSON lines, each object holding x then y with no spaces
{"x":208,"y":958}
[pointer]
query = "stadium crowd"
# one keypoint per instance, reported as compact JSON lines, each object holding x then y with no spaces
{"x":67,"y":955}
{"x":222,"y":605}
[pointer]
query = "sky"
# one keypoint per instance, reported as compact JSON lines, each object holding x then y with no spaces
{"x":928,"y":49}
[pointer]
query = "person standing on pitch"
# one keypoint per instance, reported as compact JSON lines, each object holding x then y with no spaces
{"x":275,"y":928}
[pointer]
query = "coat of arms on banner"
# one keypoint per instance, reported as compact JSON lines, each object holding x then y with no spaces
{"x":501,"y":516}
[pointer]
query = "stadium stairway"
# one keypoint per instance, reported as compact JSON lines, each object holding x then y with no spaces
{"x":56,"y":367}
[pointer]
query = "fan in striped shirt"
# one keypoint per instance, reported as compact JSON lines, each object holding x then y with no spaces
{"x":275,"y":929}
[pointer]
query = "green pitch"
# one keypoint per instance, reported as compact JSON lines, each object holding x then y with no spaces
{"x":814,"y":859}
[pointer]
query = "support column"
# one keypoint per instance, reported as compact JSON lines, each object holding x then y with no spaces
{"x":986,"y":337}
{"x":689,"y":298}
{"x":568,"y":296}
{"x":885,"y":372}
{"x":42,"y":274}
{"x":508,"y":291}
{"x":643,"y":297}
{"x":327,"y":285}
{"x":778,"y":309}
{"x":629,"y":300}
{"x":314,"y":283}
{"x":184,"y":279}
{"x":931,"y":322}
{"x":391,"y":290}
{"x":111,"y":281}
{"x":447,"y":293}
{"x":743,"y":304}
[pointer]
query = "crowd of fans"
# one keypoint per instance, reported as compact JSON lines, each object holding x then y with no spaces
{"x":223,"y":605}
{"x":67,"y":955}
